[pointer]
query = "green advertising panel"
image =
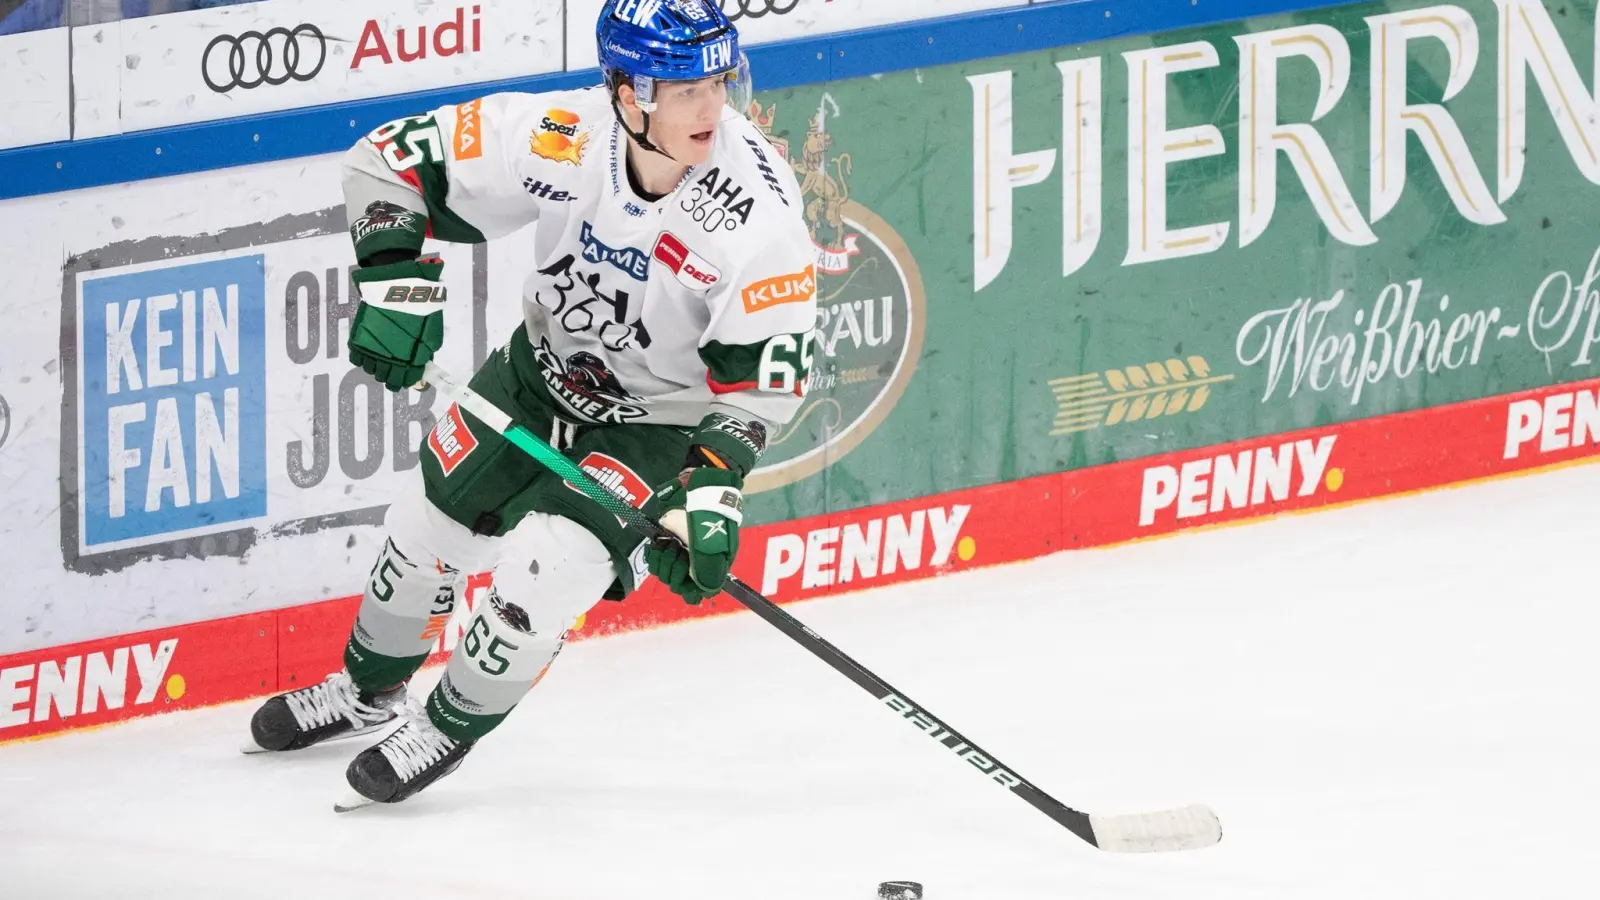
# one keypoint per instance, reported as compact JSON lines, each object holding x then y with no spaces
{"x":1090,"y":254}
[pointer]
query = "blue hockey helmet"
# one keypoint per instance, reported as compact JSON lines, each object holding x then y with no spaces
{"x":642,"y":42}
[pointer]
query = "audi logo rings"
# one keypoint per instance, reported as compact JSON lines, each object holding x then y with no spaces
{"x":755,"y":9}
{"x":280,"y":54}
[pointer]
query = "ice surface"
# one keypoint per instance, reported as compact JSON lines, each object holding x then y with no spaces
{"x":1391,"y":700}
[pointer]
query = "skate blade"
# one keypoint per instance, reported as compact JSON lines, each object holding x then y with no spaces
{"x":350,"y":801}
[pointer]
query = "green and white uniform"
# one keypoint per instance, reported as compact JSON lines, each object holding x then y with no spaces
{"x":645,"y":323}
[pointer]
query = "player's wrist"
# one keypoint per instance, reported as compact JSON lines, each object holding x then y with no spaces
{"x":724,"y":441}
{"x":387,"y":233}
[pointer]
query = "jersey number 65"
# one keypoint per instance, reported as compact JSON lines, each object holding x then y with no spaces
{"x":786,"y":363}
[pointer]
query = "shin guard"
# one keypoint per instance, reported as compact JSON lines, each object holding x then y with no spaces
{"x":404,"y":609}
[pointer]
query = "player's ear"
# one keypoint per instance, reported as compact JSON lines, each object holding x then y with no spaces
{"x":627,"y":98}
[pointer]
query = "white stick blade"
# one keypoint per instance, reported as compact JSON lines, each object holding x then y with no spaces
{"x":1189,"y":828}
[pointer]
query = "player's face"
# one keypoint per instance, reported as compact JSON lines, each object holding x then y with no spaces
{"x":686,"y":117}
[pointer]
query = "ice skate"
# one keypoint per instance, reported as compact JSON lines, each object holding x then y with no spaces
{"x":329,"y":710}
{"x":416,"y":755}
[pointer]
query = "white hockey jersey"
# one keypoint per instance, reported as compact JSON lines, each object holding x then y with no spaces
{"x":703,"y":301}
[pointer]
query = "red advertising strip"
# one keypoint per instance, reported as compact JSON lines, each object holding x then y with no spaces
{"x":1337,"y":464}
{"x":897,"y":542}
{"x":98,"y":682}
{"x":311,"y":640}
{"x":847,"y":551}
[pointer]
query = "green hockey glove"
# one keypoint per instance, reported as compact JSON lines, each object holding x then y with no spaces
{"x":398,"y":325}
{"x":704,"y":508}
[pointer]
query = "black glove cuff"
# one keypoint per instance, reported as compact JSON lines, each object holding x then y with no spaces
{"x":386,"y":257}
{"x":725,"y":442}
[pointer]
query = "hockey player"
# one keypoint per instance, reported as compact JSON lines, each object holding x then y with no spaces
{"x":667,"y":324}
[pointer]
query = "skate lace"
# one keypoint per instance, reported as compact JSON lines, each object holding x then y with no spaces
{"x":333,"y":699}
{"x":417,"y":744}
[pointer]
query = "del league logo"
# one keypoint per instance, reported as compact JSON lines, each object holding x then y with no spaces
{"x":691,"y":269}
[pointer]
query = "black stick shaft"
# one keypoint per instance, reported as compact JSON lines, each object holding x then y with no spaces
{"x":1076,"y":822}
{"x":952,"y":740}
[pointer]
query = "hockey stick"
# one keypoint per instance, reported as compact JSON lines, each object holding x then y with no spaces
{"x":1175,"y":829}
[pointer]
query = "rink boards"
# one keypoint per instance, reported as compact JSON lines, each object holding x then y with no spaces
{"x":1187,"y":272}
{"x":206,"y":663}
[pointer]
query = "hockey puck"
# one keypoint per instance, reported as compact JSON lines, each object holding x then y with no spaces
{"x":899,"y":890}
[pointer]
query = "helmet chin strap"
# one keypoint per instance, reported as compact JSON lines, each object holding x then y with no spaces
{"x":639,"y":137}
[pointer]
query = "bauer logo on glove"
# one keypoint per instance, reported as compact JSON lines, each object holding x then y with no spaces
{"x":415,"y":293}
{"x":397,"y":328}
